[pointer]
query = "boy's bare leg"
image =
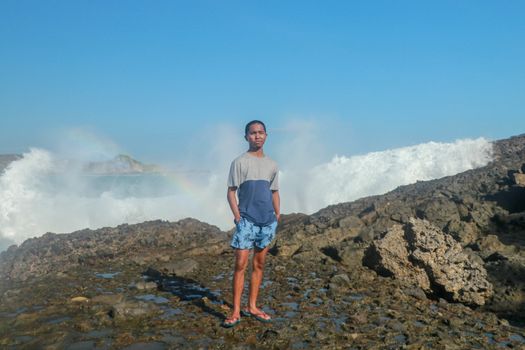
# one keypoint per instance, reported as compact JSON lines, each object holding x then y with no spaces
{"x":241,"y":261}
{"x":259,"y":257}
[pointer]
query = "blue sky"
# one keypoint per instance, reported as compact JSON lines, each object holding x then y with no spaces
{"x":154,"y":76}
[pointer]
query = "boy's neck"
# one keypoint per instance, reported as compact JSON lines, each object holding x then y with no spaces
{"x":256,"y":152}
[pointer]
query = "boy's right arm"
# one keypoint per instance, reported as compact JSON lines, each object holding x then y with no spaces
{"x":232,"y":201}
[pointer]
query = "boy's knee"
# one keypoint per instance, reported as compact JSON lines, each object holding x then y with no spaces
{"x":258,"y":264}
{"x":240,"y":266}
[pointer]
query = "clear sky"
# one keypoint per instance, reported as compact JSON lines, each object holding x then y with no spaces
{"x":154,"y":76}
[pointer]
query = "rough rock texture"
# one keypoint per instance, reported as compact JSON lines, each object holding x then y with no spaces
{"x":142,"y":243}
{"x":476,"y":204}
{"x":85,"y":289}
{"x":422,"y":255}
{"x":390,"y":256}
{"x":450,"y":270}
{"x":180,"y":267}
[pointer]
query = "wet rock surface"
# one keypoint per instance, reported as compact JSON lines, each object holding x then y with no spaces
{"x":162,"y":285}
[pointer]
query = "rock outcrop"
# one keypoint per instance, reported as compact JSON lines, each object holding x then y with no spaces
{"x":420,"y":254}
{"x":140,"y":243}
{"x":121,"y":164}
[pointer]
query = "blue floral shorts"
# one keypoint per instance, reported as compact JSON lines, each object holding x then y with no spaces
{"x":248,"y":235}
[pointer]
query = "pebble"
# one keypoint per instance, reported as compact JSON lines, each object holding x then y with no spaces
{"x":142,"y":285}
{"x":79,"y":299}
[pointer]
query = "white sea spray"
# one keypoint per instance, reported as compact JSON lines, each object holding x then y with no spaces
{"x":43,"y":192}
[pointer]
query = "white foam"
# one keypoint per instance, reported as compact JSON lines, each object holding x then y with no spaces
{"x":348,"y":178}
{"x":31,"y":205}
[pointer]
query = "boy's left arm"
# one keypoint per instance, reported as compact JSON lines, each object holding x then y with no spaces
{"x":276,"y":201}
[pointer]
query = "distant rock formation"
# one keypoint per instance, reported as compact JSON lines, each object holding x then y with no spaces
{"x":6,"y":159}
{"x":421,"y":255}
{"x":121,"y":164}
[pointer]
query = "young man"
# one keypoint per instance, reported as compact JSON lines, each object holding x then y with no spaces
{"x":254,"y":177}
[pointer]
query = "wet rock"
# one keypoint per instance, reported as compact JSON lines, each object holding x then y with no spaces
{"x":108,"y":299}
{"x":180,"y":268}
{"x":491,"y":244}
{"x":289,"y":249}
{"x":351,"y":256}
{"x":83,"y":345}
{"x":130,"y":309}
{"x":146,"y":346}
{"x":415,"y":292}
{"x":463,"y":232}
{"x":339,"y":283}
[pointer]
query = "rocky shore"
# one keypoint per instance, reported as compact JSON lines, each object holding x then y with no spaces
{"x":434,"y":265}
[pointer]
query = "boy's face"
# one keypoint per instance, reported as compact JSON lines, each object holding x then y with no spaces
{"x":256,"y":136}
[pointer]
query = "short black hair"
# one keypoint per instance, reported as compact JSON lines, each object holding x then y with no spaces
{"x":247,"y":128}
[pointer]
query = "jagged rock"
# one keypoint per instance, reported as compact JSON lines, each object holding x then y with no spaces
{"x":339,"y":284}
{"x":389,"y":256}
{"x":350,"y":223}
{"x":288,"y":250}
{"x":519,"y":179}
{"x":463,"y":232}
{"x":459,"y":276}
{"x":351,"y":256}
{"x":420,"y":254}
{"x":438,"y":210}
{"x":491,"y":244}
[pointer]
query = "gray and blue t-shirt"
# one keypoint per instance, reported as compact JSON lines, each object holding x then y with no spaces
{"x":255,"y":179}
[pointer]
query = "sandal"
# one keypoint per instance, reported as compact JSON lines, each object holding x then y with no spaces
{"x":231,"y":322}
{"x":261,"y":316}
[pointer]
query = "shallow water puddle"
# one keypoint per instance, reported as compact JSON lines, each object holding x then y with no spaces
{"x":154,"y":298}
{"x":146,"y":346}
{"x":17,"y":312}
{"x":517,"y":338}
{"x":218,"y":277}
{"x":339,"y":322}
{"x":419,"y":324}
{"x":266,"y":283}
{"x":107,"y":275}
{"x":291,"y":305}
{"x":99,"y":333}
{"x":355,"y":296}
{"x":58,"y":320}
{"x":171,"y":312}
{"x":400,"y":338}
{"x":492,"y":340}
{"x":24,"y":338}
{"x":82,"y":345}
{"x":306,"y":293}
